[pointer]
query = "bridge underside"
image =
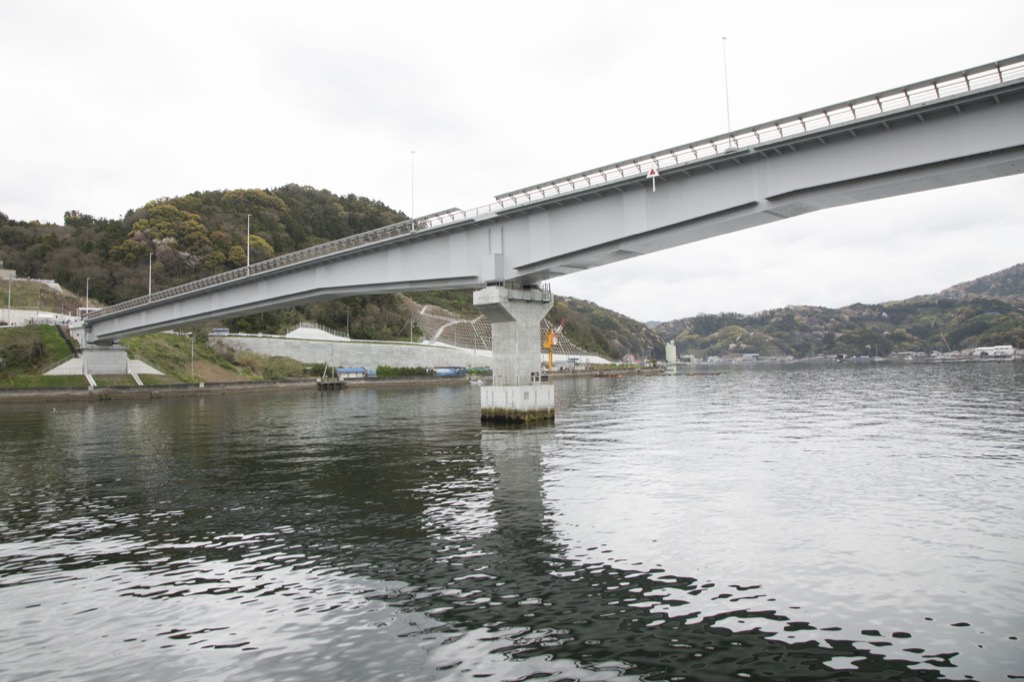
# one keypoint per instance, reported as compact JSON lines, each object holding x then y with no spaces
{"x":759,"y":187}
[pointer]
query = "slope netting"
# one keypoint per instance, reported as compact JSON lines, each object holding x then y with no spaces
{"x":443,"y":326}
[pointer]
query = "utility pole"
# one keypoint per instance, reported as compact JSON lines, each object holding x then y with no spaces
{"x":247,"y":217}
{"x":725,"y":70}
{"x":728,"y":116}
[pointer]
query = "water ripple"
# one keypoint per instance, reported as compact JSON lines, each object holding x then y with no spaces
{"x":825,"y":524}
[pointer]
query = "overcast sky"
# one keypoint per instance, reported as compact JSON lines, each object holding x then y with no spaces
{"x":108,"y":105}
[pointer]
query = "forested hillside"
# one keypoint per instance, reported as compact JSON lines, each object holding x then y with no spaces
{"x":189,"y":237}
{"x":955,"y":319}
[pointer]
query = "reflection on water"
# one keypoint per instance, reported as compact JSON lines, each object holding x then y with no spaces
{"x":793,"y":524}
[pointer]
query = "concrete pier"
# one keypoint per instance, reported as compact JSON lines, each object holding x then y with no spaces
{"x":519,"y":392}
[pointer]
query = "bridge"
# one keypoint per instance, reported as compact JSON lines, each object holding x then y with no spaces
{"x":957,"y":128}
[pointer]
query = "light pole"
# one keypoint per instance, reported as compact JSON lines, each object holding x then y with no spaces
{"x":192,"y":338}
{"x":10,"y":317}
{"x":151,"y":275}
{"x":247,"y":217}
{"x":87,"y":295}
{"x":728,"y":117}
{"x":412,"y":184}
{"x":347,"y":334}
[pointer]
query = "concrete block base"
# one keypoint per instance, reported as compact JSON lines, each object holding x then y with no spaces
{"x":104,"y":360}
{"x":526,"y":405}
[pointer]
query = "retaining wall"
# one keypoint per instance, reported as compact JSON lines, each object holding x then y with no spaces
{"x":366,"y":354}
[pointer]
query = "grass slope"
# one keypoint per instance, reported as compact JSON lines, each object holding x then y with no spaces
{"x":184,"y":362}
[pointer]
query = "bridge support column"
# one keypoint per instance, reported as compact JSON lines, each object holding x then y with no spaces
{"x":519,"y":392}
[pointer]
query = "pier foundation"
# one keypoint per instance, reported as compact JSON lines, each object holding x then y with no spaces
{"x":519,"y":392}
{"x":105,"y":360}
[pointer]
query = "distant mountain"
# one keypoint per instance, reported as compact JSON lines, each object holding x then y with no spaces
{"x":1005,"y":284}
{"x":605,"y":331}
{"x":984,"y":312}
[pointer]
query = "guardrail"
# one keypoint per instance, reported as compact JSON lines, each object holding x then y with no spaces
{"x":312,"y":325}
{"x":861,"y":109}
{"x":854,"y":110}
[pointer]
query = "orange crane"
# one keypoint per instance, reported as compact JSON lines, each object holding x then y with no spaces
{"x":551,"y":340}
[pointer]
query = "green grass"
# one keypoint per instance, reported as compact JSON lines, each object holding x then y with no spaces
{"x":157,"y":380}
{"x":175,"y":356}
{"x":31,"y":350}
{"x":172,"y":354}
{"x":273,"y":368}
{"x":27,"y":295}
{"x":166,"y":352}
{"x":27,"y":352}
{"x":103,"y":380}
{"x":42,"y":381}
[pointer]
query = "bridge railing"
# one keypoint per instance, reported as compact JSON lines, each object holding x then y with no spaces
{"x":861,"y":109}
{"x":843,"y":113}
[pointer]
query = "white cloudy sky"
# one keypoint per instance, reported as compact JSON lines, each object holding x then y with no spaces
{"x":107,"y":105}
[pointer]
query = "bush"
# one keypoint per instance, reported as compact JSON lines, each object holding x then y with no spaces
{"x":386,"y":371}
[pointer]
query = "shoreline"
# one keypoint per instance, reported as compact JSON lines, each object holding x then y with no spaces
{"x":159,"y":392}
{"x":64,"y":394}
{"x":163,"y":391}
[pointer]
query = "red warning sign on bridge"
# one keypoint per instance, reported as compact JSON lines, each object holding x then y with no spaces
{"x":652,"y":175}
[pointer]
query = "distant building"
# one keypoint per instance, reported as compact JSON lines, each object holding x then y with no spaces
{"x":352,"y":373}
{"x":1002,"y":352}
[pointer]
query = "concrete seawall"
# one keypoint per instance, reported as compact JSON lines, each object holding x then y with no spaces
{"x":12,"y":395}
{"x":26,"y":395}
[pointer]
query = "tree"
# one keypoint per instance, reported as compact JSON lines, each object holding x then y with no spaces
{"x":236,"y":257}
{"x":165,"y":221}
{"x":259,"y":249}
{"x":131,"y":250}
